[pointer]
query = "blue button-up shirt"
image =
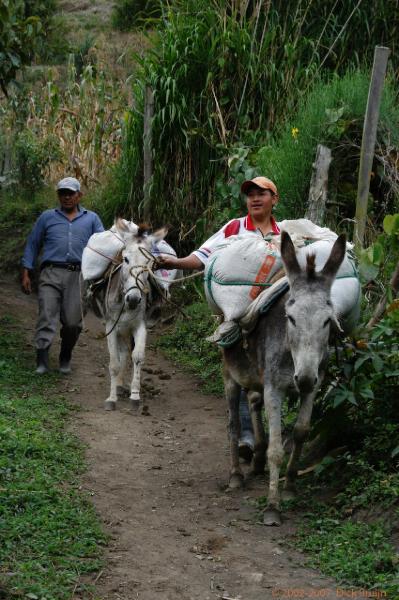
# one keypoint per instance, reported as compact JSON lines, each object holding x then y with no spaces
{"x":62,"y":240}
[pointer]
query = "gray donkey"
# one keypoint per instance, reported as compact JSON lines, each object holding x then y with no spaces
{"x":286,"y":355}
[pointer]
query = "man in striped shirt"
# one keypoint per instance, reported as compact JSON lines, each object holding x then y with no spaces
{"x":261,"y":196}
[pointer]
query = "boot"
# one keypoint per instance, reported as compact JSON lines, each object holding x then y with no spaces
{"x":42,"y":361}
{"x":65,"y":359}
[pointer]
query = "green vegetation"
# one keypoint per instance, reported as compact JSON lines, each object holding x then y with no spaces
{"x":68,"y":126}
{"x":214,"y":94}
{"x":49,"y":533}
{"x":240,"y":89}
{"x":349,"y":535}
{"x":18,"y":36}
{"x":17,"y":215}
{"x":354,"y":553}
{"x":332,"y":113}
{"x":129,"y":14}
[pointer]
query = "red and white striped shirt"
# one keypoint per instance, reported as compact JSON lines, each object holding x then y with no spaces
{"x":241,"y":226}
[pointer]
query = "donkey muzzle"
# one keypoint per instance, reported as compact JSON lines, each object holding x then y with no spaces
{"x":305,"y":383}
{"x":133,"y":299}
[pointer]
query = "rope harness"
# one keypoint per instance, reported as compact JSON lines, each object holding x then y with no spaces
{"x":139,"y":283}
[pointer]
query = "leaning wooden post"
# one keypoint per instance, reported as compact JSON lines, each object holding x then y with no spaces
{"x":147,"y":150}
{"x":319,"y":185}
{"x":368,"y":141}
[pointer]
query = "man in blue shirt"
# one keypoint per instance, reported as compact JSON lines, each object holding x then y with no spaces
{"x":61,"y":233}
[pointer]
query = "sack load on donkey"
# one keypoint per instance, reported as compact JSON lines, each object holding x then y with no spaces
{"x":245,"y":275}
{"x":103,"y":255}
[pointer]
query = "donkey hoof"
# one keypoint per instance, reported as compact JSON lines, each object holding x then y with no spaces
{"x":272,"y":517}
{"x":110,"y":405}
{"x":122,"y":391}
{"x":236,"y":481}
{"x":135,"y":403}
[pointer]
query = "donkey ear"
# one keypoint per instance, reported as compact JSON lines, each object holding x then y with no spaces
{"x":336,"y":257}
{"x":288,"y":256}
{"x":159,"y":235}
{"x":121,"y":225}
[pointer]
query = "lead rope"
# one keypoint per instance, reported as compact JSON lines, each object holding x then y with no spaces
{"x":154,"y":263}
{"x":113,"y":271}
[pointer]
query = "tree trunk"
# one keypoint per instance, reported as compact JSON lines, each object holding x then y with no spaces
{"x":368,"y":141}
{"x":319,"y":185}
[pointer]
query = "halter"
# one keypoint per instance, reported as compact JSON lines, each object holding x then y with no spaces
{"x":138,"y":284}
{"x":143,"y":269}
{"x":153,"y":265}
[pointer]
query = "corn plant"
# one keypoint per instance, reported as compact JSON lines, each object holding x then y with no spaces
{"x":83,"y":113}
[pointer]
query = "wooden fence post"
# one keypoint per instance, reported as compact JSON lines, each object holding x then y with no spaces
{"x":368,"y":141}
{"x":319,"y":185}
{"x":147,"y":150}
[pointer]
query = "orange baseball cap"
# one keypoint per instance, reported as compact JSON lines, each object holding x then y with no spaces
{"x":262,"y":182}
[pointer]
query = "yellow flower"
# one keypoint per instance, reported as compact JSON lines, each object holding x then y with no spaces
{"x":294,"y":132}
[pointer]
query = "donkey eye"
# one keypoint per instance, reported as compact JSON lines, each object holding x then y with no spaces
{"x":126,"y":260}
{"x":291,"y":320}
{"x":326,"y":322}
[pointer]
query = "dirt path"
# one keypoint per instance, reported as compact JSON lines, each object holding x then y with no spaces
{"x":158,"y":484}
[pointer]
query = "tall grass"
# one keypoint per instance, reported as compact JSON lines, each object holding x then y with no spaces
{"x":332,"y":114}
{"x":227,"y":73}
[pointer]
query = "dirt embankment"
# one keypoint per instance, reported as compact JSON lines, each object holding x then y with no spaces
{"x":157,"y":482}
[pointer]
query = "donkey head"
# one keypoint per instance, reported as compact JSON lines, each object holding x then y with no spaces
{"x":309,"y":310}
{"x":136,"y":260}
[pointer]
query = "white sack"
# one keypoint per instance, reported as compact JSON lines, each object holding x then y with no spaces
{"x":241,"y":258}
{"x":345,"y":291}
{"x":233,"y":269}
{"x":165,"y":276}
{"x":301,"y":230}
{"x":101,"y":249}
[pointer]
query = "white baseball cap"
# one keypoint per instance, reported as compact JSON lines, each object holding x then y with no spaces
{"x":69,"y":183}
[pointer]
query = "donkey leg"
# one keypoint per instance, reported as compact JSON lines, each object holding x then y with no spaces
{"x":114,"y":367}
{"x":275,"y":453}
{"x":232,"y":391}
{"x":140,"y":337}
{"x":124,"y":376}
{"x":300,"y":433}
{"x":259,"y":457}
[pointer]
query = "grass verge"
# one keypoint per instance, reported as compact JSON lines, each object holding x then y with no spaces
{"x":49,"y":533}
{"x":348,"y":536}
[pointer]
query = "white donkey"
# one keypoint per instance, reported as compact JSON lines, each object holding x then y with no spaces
{"x":125,"y":307}
{"x":285,"y":355}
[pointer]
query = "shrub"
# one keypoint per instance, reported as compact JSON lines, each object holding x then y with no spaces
{"x":332,"y":114}
{"x":33,"y":156}
{"x":228,"y":73}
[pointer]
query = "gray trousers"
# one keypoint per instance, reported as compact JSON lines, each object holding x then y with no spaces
{"x":59,"y":300}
